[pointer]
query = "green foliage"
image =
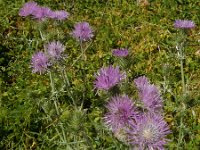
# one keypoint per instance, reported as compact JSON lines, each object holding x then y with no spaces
{"x":28,"y":117}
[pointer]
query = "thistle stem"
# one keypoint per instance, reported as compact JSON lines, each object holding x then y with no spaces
{"x":182,"y":71}
{"x":66,"y":80}
{"x":81,"y":55}
{"x":84,"y":75}
{"x":182,"y":78}
{"x":181,"y":134}
{"x":82,"y":50}
{"x":41,"y":35}
{"x":180,"y":49}
{"x":53,"y":92}
{"x":50,"y":119}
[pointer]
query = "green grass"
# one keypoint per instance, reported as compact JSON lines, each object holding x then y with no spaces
{"x":28,"y":117}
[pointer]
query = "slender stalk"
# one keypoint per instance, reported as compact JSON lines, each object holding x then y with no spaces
{"x":41,"y":35}
{"x":181,"y":133}
{"x":53,"y":91}
{"x":182,"y":77}
{"x":66,"y":80}
{"x":50,"y":119}
{"x":182,"y":68}
{"x":180,"y":49}
{"x":52,"y":84}
{"x":82,"y":50}
{"x":84,"y":75}
{"x":81,"y":55}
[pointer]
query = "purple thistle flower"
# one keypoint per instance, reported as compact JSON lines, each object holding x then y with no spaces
{"x":184,"y":24}
{"x":28,"y":8}
{"x":151,"y":98}
{"x":82,"y":31}
{"x":47,"y":12}
{"x":39,"y":62}
{"x":121,"y":52}
{"x":141,"y":82}
{"x":55,"y":49}
{"x":39,"y":13}
{"x":59,"y":15}
{"x":149,"y":94}
{"x":120,"y":113}
{"x":149,"y":132}
{"x":108,"y":77}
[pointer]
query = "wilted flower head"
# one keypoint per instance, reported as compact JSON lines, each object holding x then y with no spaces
{"x":108,"y":77}
{"x":120,"y":113}
{"x":28,"y":8}
{"x":149,"y":94}
{"x":184,"y":24}
{"x":121,"y":52}
{"x":59,"y":15}
{"x":55,"y":49}
{"x":39,"y":62}
{"x":82,"y":31}
{"x":149,"y":132}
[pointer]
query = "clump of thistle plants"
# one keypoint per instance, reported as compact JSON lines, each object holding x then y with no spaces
{"x":123,"y":117}
{"x":139,"y":125}
{"x":51,"y":60}
{"x":142,"y":127}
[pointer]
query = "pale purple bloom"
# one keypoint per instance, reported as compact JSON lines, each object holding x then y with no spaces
{"x":141,"y":82}
{"x":149,"y":94}
{"x":120,"y":113}
{"x":39,"y":13}
{"x":108,"y":77}
{"x":55,"y":49}
{"x":47,"y":12}
{"x":121,"y":52}
{"x":184,"y":24}
{"x":59,"y":15}
{"x":39,"y":62}
{"x":28,"y":8}
{"x":149,"y":132}
{"x":82,"y":31}
{"x":151,"y":98}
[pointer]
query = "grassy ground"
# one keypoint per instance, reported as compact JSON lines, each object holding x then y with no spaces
{"x":27,"y":116}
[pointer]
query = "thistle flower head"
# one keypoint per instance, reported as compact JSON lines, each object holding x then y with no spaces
{"x":46,"y":12}
{"x":184,"y":24}
{"x":82,"y":31}
{"x":59,"y":15}
{"x":120,"y":113}
{"x":149,"y":132}
{"x":121,"y":52}
{"x":28,"y":8}
{"x":151,"y":98}
{"x":54,"y":49}
{"x":39,"y":62}
{"x":149,"y":94}
{"x":108,"y":77}
{"x":141,"y":82}
{"x":39,"y":13}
